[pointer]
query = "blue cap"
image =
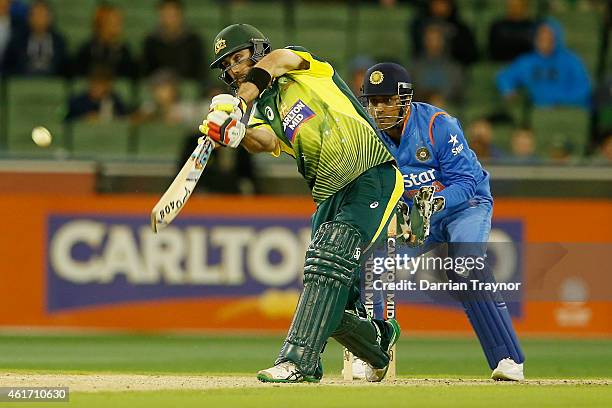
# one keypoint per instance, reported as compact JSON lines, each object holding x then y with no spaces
{"x":386,"y":78}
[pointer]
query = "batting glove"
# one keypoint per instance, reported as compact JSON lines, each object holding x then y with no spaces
{"x":225,"y":129}
{"x":229,"y":104}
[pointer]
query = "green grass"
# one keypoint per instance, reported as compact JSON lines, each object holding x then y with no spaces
{"x":354,"y":397}
{"x":417,"y":357}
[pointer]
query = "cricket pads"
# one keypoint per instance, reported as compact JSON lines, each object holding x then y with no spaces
{"x":331,"y":267}
{"x":361,"y":337}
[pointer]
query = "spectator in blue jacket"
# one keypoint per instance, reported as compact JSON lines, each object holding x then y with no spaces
{"x":552,"y":74}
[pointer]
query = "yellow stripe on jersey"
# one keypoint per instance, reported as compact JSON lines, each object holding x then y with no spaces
{"x":281,"y":147}
{"x":398,"y":190}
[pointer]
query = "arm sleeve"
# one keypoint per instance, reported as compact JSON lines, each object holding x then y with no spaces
{"x":511,"y":77}
{"x":458,"y":164}
{"x":257,"y":121}
{"x":578,"y":90}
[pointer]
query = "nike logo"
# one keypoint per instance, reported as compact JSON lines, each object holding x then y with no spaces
{"x":374,"y":204}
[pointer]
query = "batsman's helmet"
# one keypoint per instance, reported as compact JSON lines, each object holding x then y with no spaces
{"x":387,"y":79}
{"x":238,"y":37}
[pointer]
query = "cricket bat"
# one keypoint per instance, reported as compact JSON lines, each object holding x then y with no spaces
{"x":175,"y":197}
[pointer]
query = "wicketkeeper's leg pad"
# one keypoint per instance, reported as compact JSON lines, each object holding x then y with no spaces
{"x":332,"y":262}
{"x":490,"y":318}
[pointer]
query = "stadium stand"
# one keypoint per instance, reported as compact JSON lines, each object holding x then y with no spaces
{"x":342,"y":32}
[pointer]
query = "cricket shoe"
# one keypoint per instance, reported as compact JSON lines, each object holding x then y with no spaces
{"x":285,"y":372}
{"x":508,"y":370}
{"x":359,"y":367}
{"x":377,"y":374}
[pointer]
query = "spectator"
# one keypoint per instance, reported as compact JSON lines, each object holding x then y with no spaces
{"x":481,"y":141}
{"x":6,"y":26}
{"x":19,"y":11}
{"x":512,"y":35}
{"x":174,"y":46}
{"x":603,"y":154}
{"x":603,"y":111}
{"x":552,"y":75}
{"x":39,"y":49}
{"x":166,"y":104}
{"x":523,"y":147}
{"x":357,"y":69}
{"x":560,"y":152}
{"x":458,"y":35}
{"x":99,"y":102}
{"x":436,"y":75}
{"x":106,"y":47}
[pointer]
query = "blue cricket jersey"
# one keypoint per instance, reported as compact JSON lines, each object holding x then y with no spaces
{"x":434,"y":151}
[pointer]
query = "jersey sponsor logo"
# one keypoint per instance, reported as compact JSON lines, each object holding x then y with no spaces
{"x":419,"y":179}
{"x":455,"y":149}
{"x":422,"y":154}
{"x":299,"y":114}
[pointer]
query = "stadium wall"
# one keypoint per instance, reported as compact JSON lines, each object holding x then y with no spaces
{"x":233,"y":263}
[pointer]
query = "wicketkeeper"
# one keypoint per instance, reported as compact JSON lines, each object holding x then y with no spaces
{"x":304,"y":109}
{"x":450,"y":199}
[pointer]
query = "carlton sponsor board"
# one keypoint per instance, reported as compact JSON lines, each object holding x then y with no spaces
{"x":101,"y":260}
{"x":235,"y":263}
{"x":97,"y":260}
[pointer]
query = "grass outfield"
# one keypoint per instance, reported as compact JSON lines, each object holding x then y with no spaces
{"x":366,"y":397}
{"x":417,"y":357}
{"x":448,"y":358}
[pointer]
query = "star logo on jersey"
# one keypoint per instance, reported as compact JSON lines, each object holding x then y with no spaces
{"x":376,"y":77}
{"x":458,"y":149}
{"x":219,"y":45}
{"x":422,"y":154}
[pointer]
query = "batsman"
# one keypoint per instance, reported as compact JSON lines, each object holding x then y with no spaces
{"x":301,"y":107}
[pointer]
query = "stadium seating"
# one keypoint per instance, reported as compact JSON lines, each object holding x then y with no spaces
{"x":157,"y":141}
{"x":31,"y":103}
{"x":566,"y":126}
{"x":337,"y":35}
{"x":98,"y":140}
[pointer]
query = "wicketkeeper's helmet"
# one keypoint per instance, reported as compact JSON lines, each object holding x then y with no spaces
{"x":238,"y":37}
{"x":387,"y":79}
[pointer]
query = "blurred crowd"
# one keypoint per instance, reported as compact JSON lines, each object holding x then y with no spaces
{"x":537,"y":80}
{"x":536,"y":70}
{"x":31,"y":44}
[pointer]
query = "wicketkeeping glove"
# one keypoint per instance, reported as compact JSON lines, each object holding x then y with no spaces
{"x":423,"y":207}
{"x":225,"y":129}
